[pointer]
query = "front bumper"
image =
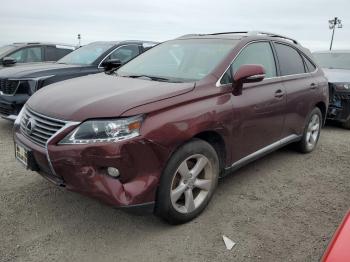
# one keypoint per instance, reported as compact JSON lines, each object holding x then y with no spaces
{"x":83,"y":168}
{"x":10,"y":106}
{"x":339,"y":107}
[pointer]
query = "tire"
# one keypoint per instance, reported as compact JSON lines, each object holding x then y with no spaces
{"x":346,"y":124}
{"x":312,"y":132}
{"x":188,"y":182}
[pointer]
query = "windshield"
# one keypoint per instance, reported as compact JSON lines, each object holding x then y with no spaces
{"x":333,"y":60}
{"x":179,"y":60}
{"x":5,"y":49}
{"x":86,"y":55}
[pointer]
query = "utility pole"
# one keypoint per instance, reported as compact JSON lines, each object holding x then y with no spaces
{"x":336,"y":22}
{"x":79,"y":40}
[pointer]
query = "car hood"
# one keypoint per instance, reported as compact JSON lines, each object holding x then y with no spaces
{"x":101,"y":96}
{"x":337,"y":75}
{"x":34,"y":70}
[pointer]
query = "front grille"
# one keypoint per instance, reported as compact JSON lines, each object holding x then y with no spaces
{"x":39,"y":128}
{"x":9,"y":87}
{"x":345,"y":96}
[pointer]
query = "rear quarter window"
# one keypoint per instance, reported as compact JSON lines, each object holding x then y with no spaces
{"x":290,"y":61}
{"x":309,"y":65}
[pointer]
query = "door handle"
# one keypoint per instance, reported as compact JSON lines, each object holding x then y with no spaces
{"x":313,"y":86}
{"x":279,"y":93}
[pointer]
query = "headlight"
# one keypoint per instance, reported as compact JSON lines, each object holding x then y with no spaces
{"x":99,"y":131}
{"x":19,"y":117}
{"x":342,"y":87}
{"x":30,"y":85}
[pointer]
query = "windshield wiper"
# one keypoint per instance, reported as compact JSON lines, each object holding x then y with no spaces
{"x":154,"y":78}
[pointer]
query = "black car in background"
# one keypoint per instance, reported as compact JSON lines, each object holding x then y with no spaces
{"x":336,"y":66}
{"x":17,"y":84}
{"x":19,"y":53}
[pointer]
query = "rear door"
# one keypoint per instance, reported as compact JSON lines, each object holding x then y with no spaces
{"x":299,"y":84}
{"x":53,"y":53}
{"x":258,"y":114}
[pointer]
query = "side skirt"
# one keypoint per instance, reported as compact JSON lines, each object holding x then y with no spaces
{"x":260,"y":153}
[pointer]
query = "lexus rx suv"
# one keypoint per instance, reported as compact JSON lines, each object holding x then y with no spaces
{"x":159,"y":131}
{"x":336,"y":66}
{"x":19,"y":53}
{"x":17,"y":84}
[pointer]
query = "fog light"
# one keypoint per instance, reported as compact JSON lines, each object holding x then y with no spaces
{"x":112,"y":171}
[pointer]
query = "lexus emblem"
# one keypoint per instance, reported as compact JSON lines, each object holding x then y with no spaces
{"x":30,"y":125}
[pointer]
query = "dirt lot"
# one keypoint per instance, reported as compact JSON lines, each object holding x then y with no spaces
{"x":284,"y":207}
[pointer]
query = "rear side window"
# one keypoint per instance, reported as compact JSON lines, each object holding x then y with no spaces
{"x":53,"y":53}
{"x":290,"y":60}
{"x":309,"y":65}
{"x":50,"y":53}
{"x":256,"y":53}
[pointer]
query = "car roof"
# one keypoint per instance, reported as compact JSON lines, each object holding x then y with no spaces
{"x":123,"y":42}
{"x":238,"y":35}
{"x":60,"y":45}
{"x":331,"y":52}
{"x":22,"y":44}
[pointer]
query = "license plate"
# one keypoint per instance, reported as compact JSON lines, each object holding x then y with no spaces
{"x":21,"y":154}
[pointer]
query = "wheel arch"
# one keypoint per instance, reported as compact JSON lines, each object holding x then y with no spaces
{"x":217,"y":142}
{"x":322,"y":106}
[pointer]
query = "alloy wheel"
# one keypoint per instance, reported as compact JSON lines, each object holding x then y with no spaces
{"x":191,"y":184}
{"x":313,"y":131}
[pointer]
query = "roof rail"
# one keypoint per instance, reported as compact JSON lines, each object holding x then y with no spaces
{"x":27,"y":43}
{"x":248,"y":33}
{"x":274,"y":35}
{"x":259,"y":33}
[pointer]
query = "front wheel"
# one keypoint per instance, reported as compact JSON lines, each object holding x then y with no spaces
{"x":312,"y":132}
{"x":188,"y":182}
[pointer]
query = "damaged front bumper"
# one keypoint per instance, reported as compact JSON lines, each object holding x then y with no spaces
{"x":339,"y":104}
{"x":83,"y":169}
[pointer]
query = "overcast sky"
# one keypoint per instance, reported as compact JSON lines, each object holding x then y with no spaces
{"x":61,"y":21}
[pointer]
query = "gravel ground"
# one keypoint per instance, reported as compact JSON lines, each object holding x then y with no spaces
{"x":284,"y":207}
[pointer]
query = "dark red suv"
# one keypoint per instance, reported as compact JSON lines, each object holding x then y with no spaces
{"x":162,"y":129}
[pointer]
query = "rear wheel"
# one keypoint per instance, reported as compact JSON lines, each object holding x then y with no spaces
{"x":312,"y":131}
{"x":188,"y":182}
{"x":347,"y":124}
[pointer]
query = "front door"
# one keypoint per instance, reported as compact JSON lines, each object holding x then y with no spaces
{"x":258,"y":114}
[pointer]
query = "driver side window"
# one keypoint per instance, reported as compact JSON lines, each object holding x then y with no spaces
{"x":125,"y":53}
{"x":30,"y":54}
{"x":256,"y":53}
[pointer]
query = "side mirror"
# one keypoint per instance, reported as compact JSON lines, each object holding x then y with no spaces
{"x":111,"y":64}
{"x":7,"y":61}
{"x":247,"y":74}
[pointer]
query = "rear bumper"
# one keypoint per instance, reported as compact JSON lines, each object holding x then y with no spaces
{"x":83,"y":169}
